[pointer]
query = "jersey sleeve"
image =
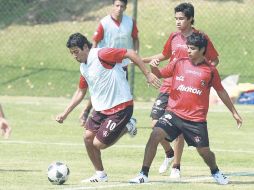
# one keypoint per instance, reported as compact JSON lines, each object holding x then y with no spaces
{"x":134,"y":33}
{"x":211,"y":53}
{"x":216,"y":80}
{"x":167,"y":49}
{"x":167,"y":71}
{"x":82,"y":82}
{"x":98,"y":34}
{"x":112,"y":55}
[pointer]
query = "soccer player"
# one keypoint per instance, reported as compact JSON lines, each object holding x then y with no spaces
{"x":102,"y":74}
{"x":192,"y":79}
{"x":116,"y":31}
{"x":174,"y":48}
{"x":4,"y":125}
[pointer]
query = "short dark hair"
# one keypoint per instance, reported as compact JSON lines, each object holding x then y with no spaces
{"x":197,"y":39}
{"x":187,"y":9}
{"x":124,"y":1}
{"x":79,"y":40}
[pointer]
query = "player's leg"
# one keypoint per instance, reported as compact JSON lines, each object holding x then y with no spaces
{"x":178,"y":151}
{"x":164,"y":128}
{"x":196,"y":134}
{"x":94,"y":153}
{"x":158,"y":110}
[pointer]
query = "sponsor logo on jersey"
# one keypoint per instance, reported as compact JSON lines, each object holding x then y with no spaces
{"x":193,"y":72}
{"x":203,"y":83}
{"x":180,"y":78}
{"x":190,"y":89}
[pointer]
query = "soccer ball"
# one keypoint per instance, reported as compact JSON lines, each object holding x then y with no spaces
{"x":58,"y":173}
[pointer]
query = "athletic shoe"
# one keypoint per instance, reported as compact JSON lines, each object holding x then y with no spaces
{"x":166,"y":163}
{"x":141,"y":178}
{"x":131,"y":126}
{"x":95,"y":178}
{"x":175,"y":173}
{"x":220,"y":178}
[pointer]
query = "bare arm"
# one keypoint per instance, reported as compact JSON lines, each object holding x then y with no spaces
{"x":4,"y":125}
{"x":76,"y":99}
{"x":160,"y":57}
{"x":1,"y":112}
{"x":227,"y":101}
{"x":151,"y":78}
{"x":95,"y":44}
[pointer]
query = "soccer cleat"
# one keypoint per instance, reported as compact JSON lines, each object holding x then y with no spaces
{"x":95,"y":178}
{"x":166,"y":163}
{"x":131,"y":126}
{"x":175,"y":173}
{"x":220,"y":178}
{"x":141,"y":178}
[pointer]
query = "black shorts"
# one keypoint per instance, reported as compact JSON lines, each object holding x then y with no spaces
{"x":159,"y":106}
{"x":195,"y":133}
{"x":109,"y":127}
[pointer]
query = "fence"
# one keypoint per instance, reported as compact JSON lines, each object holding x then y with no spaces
{"x":35,"y":62}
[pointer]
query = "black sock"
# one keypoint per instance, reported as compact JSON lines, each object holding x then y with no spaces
{"x":145,"y":170}
{"x":170,"y":153}
{"x":177,"y":166}
{"x":214,"y":171}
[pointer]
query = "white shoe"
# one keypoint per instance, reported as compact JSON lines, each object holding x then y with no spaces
{"x":166,"y":163}
{"x":131,"y":126}
{"x":95,"y":178}
{"x":141,"y":178}
{"x":175,"y":173}
{"x":220,"y":178}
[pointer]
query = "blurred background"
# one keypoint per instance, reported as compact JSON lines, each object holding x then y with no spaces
{"x":34,"y":60}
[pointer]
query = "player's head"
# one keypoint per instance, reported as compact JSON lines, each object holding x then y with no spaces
{"x":79,"y":46}
{"x":187,"y":9}
{"x":196,"y":44}
{"x":119,"y":6}
{"x":124,"y":1}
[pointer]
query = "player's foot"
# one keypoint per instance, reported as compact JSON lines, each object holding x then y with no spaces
{"x":131,"y":126}
{"x":95,"y":178}
{"x":175,"y":173}
{"x":220,"y":178}
{"x":141,"y":178}
{"x":166,"y":163}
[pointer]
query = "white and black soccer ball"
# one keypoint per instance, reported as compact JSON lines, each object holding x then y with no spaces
{"x":58,"y":173}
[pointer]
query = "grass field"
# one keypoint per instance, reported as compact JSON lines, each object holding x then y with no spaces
{"x":37,"y":140}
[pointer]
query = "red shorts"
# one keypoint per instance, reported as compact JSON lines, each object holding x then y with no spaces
{"x":109,"y":127}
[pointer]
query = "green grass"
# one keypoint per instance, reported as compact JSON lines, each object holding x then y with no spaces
{"x":37,"y":140}
{"x":36,"y":52}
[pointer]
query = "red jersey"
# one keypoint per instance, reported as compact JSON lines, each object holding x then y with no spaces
{"x":176,"y":47}
{"x":191,"y":84}
{"x":108,"y":58}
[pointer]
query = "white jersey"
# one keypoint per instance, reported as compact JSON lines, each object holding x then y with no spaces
{"x":117,"y":36}
{"x":108,"y":87}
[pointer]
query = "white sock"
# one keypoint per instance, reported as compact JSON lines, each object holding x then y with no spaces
{"x":101,"y":173}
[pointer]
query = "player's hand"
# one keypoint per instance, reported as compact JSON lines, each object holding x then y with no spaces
{"x":60,"y":118}
{"x":238,"y":120}
{"x":153,"y":80}
{"x":154,"y":62}
{"x":5,"y":128}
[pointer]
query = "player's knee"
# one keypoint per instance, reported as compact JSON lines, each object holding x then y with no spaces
{"x":97,"y":144}
{"x":157,"y":134}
